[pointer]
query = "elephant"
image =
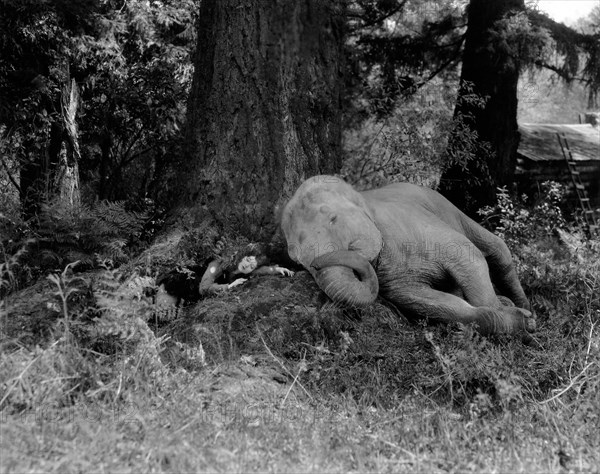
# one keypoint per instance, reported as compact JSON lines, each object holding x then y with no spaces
{"x":409,"y":246}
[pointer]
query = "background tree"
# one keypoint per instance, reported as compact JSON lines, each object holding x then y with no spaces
{"x":91,"y":98}
{"x":258,"y":106}
{"x":557,"y":91}
{"x":578,"y":51}
{"x":489,"y":71}
{"x":65,"y":180}
{"x":401,"y":79}
{"x":395,"y":48}
{"x":502,"y":41}
{"x":37,"y":106}
{"x":131,"y":67}
{"x":136,"y":71}
{"x":264,"y":110}
{"x":404,"y":57}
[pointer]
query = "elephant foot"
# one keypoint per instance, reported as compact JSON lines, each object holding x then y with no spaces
{"x":508,"y":320}
{"x":523,"y":322}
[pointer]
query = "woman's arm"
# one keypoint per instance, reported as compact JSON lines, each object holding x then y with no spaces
{"x":273,"y":270}
{"x":213,"y":271}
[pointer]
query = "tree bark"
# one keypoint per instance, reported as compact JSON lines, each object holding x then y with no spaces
{"x":493,"y":75}
{"x":65,"y":186}
{"x":265,"y":107}
{"x":53,"y":174}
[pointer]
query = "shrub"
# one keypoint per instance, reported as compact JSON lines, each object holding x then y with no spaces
{"x":103,"y":232}
{"x":98,"y":350}
{"x":518,"y":223}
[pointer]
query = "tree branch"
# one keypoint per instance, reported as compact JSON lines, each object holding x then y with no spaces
{"x":124,"y":160}
{"x":380,"y":18}
{"x":561,"y":72}
{"x":441,"y":68}
{"x":5,"y":166}
{"x":10,"y":176}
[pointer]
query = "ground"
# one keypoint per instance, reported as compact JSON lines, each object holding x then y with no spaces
{"x":270,"y":377}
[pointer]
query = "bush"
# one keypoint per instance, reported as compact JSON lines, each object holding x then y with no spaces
{"x":519,"y":223}
{"x":100,"y":346}
{"x":105,"y":232}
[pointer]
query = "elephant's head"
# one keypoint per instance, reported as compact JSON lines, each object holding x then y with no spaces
{"x":331,"y":232}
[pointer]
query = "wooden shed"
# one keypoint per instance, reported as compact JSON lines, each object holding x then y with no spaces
{"x":539,"y":158}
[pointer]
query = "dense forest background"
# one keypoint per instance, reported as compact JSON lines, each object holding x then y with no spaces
{"x":94,"y":100}
{"x":140,"y":138}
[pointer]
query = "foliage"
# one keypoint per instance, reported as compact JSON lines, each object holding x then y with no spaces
{"x":103,"y":232}
{"x":136,"y":71}
{"x":132,"y":63}
{"x":396,"y":48}
{"x":35,"y":61}
{"x":578,"y":52}
{"x":405,"y":146}
{"x":412,"y":144}
{"x":545,"y":99}
{"x":517,"y":223}
{"x":9,"y":197}
{"x":11,"y":269}
{"x":522,"y":42}
{"x":464,"y":145}
{"x":93,"y":350}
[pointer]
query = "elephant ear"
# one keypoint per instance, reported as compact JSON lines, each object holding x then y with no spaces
{"x":346,"y":277}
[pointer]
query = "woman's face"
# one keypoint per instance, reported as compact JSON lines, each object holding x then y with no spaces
{"x":248,"y":264}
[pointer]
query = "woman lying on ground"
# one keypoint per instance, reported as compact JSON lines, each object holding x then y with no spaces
{"x":247,"y":267}
{"x":185,"y":284}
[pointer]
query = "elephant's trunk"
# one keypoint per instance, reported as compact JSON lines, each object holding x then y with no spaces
{"x":346,"y":277}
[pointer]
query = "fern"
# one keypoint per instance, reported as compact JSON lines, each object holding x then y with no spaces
{"x":93,"y":233}
{"x":114,"y":219}
{"x":114,"y":250}
{"x":10,"y":268}
{"x":122,"y":325}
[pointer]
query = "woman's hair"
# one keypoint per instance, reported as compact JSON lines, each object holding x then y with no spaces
{"x":230,"y":262}
{"x":251,"y":250}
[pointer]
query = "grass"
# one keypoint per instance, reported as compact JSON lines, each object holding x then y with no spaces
{"x":267,"y":378}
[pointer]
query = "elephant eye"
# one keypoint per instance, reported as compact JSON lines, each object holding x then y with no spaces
{"x":333,"y":219}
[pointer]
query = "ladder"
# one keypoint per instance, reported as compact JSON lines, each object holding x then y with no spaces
{"x":589,"y":215}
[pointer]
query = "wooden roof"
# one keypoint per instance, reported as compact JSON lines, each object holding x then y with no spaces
{"x":539,"y":143}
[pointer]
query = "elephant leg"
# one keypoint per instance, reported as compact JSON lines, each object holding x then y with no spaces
{"x":424,"y":302}
{"x":472,"y":276}
{"x":504,"y":276}
{"x":501,"y":267}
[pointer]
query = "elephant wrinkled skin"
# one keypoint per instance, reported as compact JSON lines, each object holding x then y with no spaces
{"x":409,"y":245}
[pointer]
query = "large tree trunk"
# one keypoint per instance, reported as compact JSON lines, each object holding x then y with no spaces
{"x":493,"y":75}
{"x":264,"y":109}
